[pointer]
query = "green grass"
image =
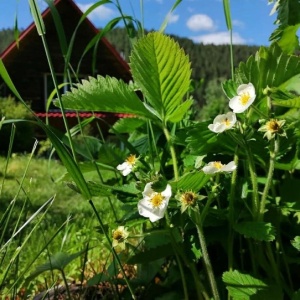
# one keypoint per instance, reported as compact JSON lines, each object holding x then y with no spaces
{"x":39,"y":185}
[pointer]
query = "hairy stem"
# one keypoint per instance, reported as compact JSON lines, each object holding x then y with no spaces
{"x":173,"y":153}
{"x":273,"y":154}
{"x":206,"y":259}
{"x":231,"y":212}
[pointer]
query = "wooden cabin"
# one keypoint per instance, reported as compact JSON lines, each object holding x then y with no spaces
{"x":28,"y":67}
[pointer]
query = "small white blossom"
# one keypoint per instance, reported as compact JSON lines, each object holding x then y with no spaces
{"x":153,"y":205}
{"x":216,"y":167}
{"x":223,"y":122}
{"x":245,"y":97}
{"x":119,"y":236}
{"x":127,"y":166}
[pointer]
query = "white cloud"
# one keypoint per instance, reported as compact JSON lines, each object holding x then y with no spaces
{"x":238,"y":23}
{"x":219,"y":38}
{"x":172,"y":18}
{"x":159,"y":1}
{"x":200,"y":22}
{"x":100,"y":13}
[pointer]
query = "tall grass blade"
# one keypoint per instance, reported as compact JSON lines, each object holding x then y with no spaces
{"x":226,"y":7}
{"x":37,"y":17}
{"x":167,"y":18}
{"x":59,"y":28}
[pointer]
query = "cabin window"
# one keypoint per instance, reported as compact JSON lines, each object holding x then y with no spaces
{"x":64,"y":85}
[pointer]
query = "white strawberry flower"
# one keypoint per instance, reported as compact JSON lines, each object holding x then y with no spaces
{"x":153,"y":205}
{"x":127,"y":166}
{"x":223,"y":122}
{"x":245,"y":97}
{"x":217,"y":167}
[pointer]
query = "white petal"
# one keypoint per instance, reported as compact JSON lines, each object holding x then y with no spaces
{"x":167,"y":193}
{"x":246,"y":88}
{"x":148,"y":191}
{"x":125,"y":168}
{"x":122,"y":166}
{"x":147,"y":211}
{"x":236,"y":106}
{"x":235,"y":103}
{"x":210,"y":169}
{"x":217,"y":128}
{"x":229,"y":167}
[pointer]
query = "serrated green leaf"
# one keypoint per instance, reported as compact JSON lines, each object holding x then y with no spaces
{"x":296,"y":242}
{"x":192,"y":181}
{"x":242,"y":286}
{"x":289,"y":41}
{"x":259,"y":231}
{"x":128,"y":125}
{"x":200,"y":139}
{"x":162,"y":71}
{"x":106,"y":94}
{"x":178,"y":114}
{"x":292,"y":103}
{"x":229,"y":87}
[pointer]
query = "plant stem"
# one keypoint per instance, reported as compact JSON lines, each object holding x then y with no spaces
{"x":253,"y":176}
{"x":201,"y":292}
{"x":206,"y":259}
{"x":47,"y":52}
{"x":173,"y":153}
{"x":113,"y":250}
{"x":273,"y":154}
{"x":231,"y":212}
{"x":66,"y":283}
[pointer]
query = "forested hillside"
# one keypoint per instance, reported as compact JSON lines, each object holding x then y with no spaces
{"x":210,"y":63}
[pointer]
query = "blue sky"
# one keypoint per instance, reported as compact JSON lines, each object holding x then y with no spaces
{"x":200,"y":20}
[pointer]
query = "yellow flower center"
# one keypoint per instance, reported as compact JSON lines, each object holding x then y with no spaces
{"x":156,"y":200}
{"x":244,"y":98}
{"x":118,"y":235}
{"x":273,"y":126}
{"x":217,"y":165}
{"x":188,"y":198}
{"x":226,"y":122}
{"x":131,"y":159}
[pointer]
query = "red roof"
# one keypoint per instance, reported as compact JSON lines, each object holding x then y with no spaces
{"x":24,"y":33}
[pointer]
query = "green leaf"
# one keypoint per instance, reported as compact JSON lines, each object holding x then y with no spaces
{"x":259,"y":231}
{"x":229,"y":87}
{"x":105,"y":94}
{"x":296,"y":242}
{"x":289,"y":41}
{"x":56,"y":262}
{"x":162,"y":71}
{"x":200,"y":139}
{"x":292,"y":103}
{"x":242,"y":286}
{"x":98,"y":189}
{"x":192,"y":181}
{"x":128,"y":125}
{"x":179,"y":113}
